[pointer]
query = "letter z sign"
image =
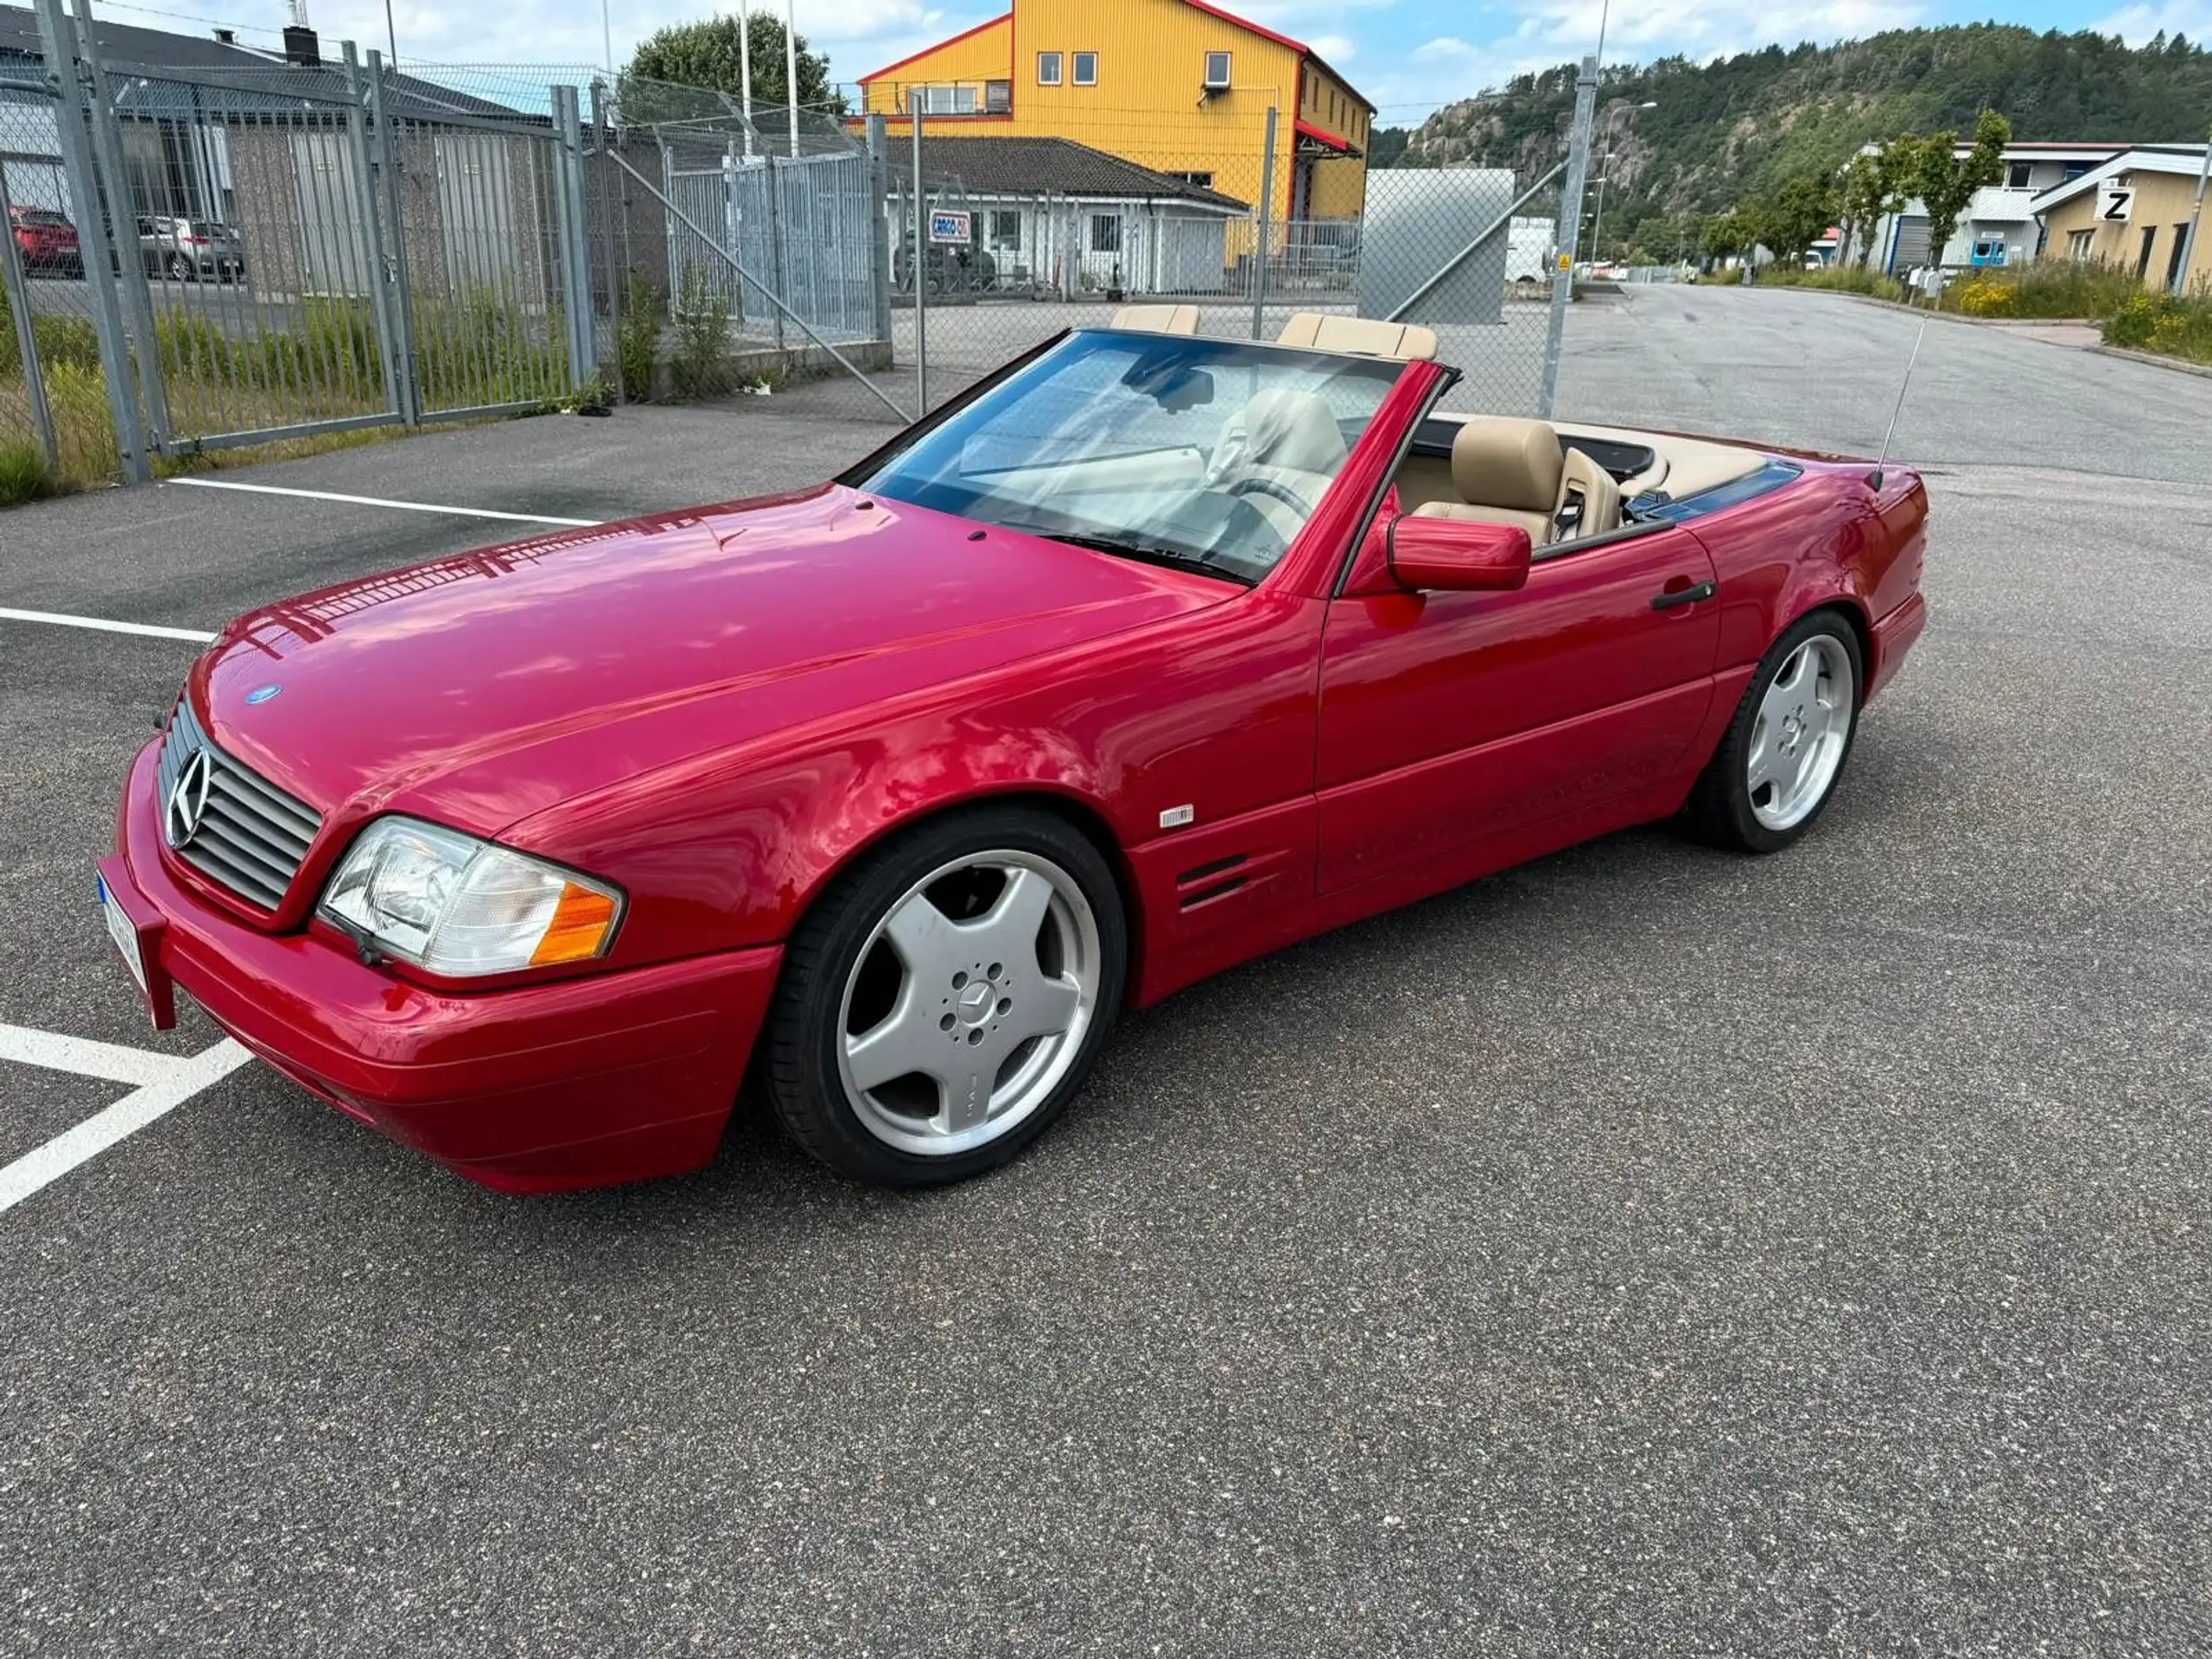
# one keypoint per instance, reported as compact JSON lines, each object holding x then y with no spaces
{"x":2116,"y":203}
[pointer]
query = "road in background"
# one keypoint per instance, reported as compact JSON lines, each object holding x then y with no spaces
{"x":1644,"y":1251}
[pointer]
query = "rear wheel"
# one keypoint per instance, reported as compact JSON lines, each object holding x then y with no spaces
{"x":944,"y":1002}
{"x":180,"y":269}
{"x":1778,"y":762}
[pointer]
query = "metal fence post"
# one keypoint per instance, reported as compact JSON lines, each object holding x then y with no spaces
{"x":393,"y":228}
{"x":575,"y":275}
{"x":19,"y":307}
{"x":776,"y":272}
{"x":1267,"y":215}
{"x":879,"y":197}
{"x":597,"y":229}
{"x":1570,"y":219}
{"x":131,"y":274}
{"x":918,"y":265}
{"x":59,"y":42}
{"x":364,"y":204}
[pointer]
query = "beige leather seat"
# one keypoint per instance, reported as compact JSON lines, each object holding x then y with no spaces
{"x":1589,"y":500}
{"x":1280,"y":443}
{"x":1512,"y":472}
{"x":1404,"y":342}
{"x":1157,"y":319}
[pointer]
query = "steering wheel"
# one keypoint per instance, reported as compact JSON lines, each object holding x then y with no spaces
{"x":1271,"y":487}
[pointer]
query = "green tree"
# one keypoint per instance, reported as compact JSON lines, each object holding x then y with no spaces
{"x":706,"y":55}
{"x":1947,"y":183}
{"x":1726,"y":235}
{"x":1863,"y":192}
{"x":1803,"y":209}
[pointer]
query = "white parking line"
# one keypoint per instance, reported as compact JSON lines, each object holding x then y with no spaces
{"x":378,"y":501}
{"x":179,"y":1081}
{"x":82,"y":1056}
{"x":58,"y":619}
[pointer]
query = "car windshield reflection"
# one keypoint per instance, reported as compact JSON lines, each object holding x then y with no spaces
{"x":1206,"y":452}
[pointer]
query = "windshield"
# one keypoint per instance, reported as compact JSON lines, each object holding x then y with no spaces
{"x":1206,"y":452}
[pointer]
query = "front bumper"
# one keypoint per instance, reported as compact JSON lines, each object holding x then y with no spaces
{"x":619,"y":1077}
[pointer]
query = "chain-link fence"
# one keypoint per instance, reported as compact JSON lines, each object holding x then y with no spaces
{"x":207,"y":258}
{"x":1020,"y":237}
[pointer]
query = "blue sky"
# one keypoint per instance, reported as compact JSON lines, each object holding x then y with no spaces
{"x":1407,"y":55}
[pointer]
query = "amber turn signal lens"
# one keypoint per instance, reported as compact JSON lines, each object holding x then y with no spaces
{"x":578,"y":927}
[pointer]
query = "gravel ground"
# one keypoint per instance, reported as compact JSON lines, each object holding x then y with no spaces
{"x":1644,"y":1251}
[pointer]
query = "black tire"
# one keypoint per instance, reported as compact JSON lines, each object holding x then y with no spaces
{"x":1721,"y":810}
{"x":180,"y":269}
{"x":801,"y":1044}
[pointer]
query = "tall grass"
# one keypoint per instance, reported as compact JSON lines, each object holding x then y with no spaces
{"x":1841,"y":279}
{"x":23,"y":474}
{"x":2161,"y":322}
{"x":2047,"y":288}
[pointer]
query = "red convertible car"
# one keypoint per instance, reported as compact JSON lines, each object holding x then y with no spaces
{"x":1147,"y":655}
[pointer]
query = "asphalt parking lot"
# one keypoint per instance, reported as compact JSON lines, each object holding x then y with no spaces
{"x":1646,"y":1251}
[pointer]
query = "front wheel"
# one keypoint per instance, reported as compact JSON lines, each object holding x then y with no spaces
{"x":944,"y":1002}
{"x":1778,"y":762}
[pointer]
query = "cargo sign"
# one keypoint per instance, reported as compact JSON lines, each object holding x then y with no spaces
{"x":950,"y":226}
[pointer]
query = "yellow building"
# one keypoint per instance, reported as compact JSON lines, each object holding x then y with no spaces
{"x":2133,"y":212}
{"x":1177,"y":85}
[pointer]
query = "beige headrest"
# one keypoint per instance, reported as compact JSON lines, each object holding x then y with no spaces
{"x":1157,"y":319}
{"x":1404,"y":342}
{"x":1498,"y":461}
{"x":1282,"y":427}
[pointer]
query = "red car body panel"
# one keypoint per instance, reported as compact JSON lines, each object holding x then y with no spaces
{"x":717,"y":710}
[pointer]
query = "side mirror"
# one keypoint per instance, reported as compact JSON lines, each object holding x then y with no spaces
{"x":1456,"y":555}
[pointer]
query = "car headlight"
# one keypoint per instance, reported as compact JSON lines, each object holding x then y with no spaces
{"x":458,"y":907}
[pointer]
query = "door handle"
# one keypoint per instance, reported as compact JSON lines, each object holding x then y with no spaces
{"x":1674,"y":596}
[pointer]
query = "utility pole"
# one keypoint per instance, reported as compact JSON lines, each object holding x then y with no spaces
{"x":1570,"y":220}
{"x":790,"y":66}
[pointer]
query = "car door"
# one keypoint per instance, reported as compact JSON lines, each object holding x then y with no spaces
{"x":1452,"y":719}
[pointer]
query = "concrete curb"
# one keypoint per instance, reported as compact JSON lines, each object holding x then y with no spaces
{"x":2157,"y":360}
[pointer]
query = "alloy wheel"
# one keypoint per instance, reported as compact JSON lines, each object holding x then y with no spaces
{"x":969,"y":1001}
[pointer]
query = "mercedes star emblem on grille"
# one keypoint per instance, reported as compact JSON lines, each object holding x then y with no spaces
{"x":188,"y":798}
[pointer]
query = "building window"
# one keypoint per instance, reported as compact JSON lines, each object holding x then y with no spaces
{"x":2016,"y":175}
{"x":1217,"y":70}
{"x":948,"y":100}
{"x":1105,"y":233}
{"x":1006,"y":228}
{"x":1048,"y":68}
{"x":1203,"y":180}
{"x":2075,"y":170}
{"x":2077,"y":245}
{"x":2173,"y":259}
{"x":998,"y":97}
{"x":2143,"y":259}
{"x":1086,"y":68}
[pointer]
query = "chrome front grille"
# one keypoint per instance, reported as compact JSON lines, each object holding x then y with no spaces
{"x":230,"y":825}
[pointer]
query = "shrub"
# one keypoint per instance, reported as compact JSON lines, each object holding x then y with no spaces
{"x":65,"y":341}
{"x":1983,"y":296}
{"x":2046,"y":288}
{"x":637,"y":339}
{"x":1845,"y":279}
{"x":84,"y":428}
{"x":191,"y":347}
{"x":23,"y":476}
{"x":700,"y":363}
{"x":2158,"y":322}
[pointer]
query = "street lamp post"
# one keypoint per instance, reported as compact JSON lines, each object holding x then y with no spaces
{"x":1612,"y":117}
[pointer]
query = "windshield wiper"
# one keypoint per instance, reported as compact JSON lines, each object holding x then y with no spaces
{"x":1148,"y":552}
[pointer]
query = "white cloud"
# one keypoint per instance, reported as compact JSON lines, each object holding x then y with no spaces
{"x":1339,"y":49}
{"x":2136,"y":24}
{"x":1705,"y":28}
{"x":859,"y":34}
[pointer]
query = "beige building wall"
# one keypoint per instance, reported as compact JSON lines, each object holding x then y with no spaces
{"x":2146,"y":242}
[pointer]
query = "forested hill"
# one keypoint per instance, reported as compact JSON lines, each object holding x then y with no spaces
{"x":1735,"y":129}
